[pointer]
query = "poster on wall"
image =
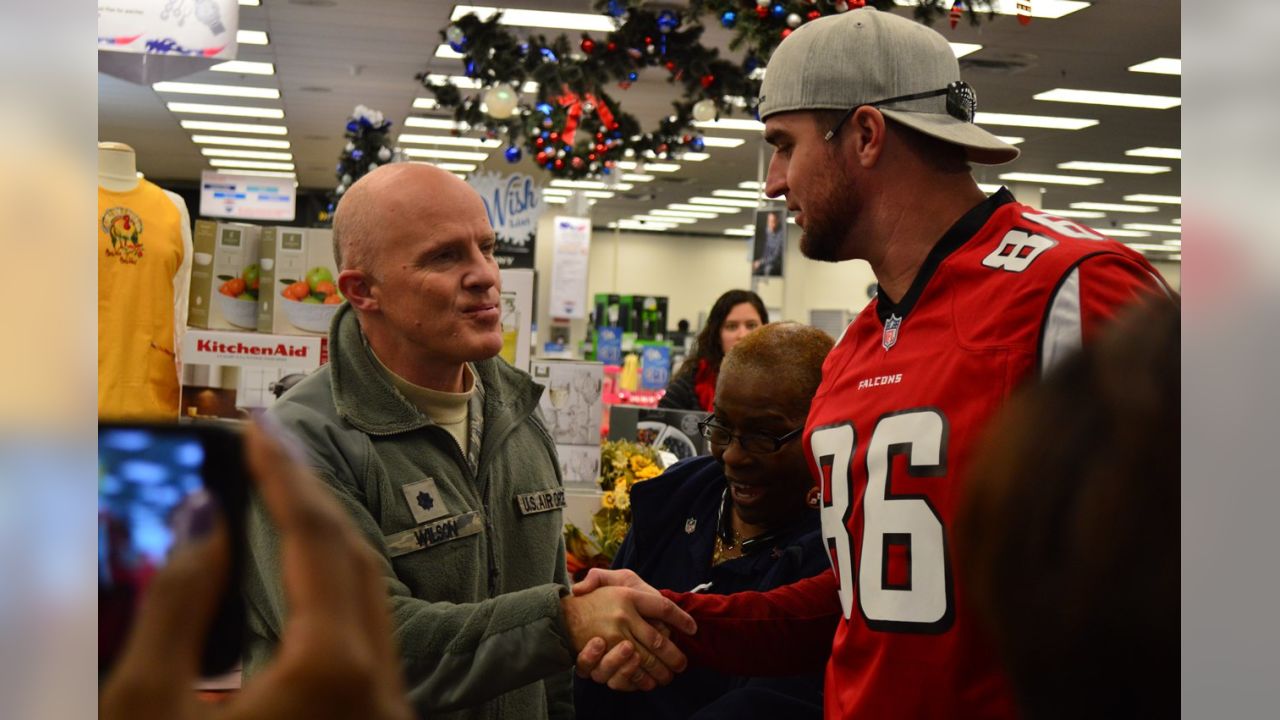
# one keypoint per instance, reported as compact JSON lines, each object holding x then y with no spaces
{"x":513,"y":203}
{"x":144,"y":41}
{"x":247,"y":197}
{"x":571,"y":248}
{"x":770,"y":242}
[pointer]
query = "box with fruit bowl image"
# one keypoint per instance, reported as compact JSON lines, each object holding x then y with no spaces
{"x":298,"y":267}
{"x":226,"y":277}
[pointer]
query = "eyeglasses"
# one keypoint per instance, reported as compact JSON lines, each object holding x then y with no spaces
{"x":962,"y":103}
{"x":755,"y":443}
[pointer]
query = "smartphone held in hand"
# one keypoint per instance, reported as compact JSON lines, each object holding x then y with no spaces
{"x":158,"y":486}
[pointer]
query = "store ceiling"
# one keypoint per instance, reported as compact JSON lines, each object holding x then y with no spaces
{"x":331,"y":55}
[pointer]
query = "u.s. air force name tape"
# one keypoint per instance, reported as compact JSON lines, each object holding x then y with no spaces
{"x":431,"y":534}
{"x":540,"y":501}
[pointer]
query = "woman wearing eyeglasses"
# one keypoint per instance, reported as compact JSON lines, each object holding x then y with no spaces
{"x":742,"y":519}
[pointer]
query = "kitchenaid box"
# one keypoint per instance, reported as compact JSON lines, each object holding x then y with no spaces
{"x":226,"y":279}
{"x":299,"y":281}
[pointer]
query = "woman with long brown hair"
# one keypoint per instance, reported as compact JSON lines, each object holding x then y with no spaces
{"x":733,"y":316}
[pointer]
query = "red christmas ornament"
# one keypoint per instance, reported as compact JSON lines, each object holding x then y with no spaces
{"x":686,"y":139}
{"x":559,"y":163}
{"x":577,"y":163}
{"x":591,"y":157}
{"x":555,"y":136}
{"x":588,"y":45}
{"x":662,"y":148}
{"x":814,"y":14}
{"x":671,"y":66}
{"x":785,"y":33}
{"x":611,"y":46}
{"x":762,"y":11}
{"x":707,"y":80}
{"x":599,"y":136}
{"x":541,"y":158}
{"x":600,"y":147}
{"x":539,"y":142}
{"x":613,"y":124}
{"x":609,"y":163}
{"x":648,"y":40}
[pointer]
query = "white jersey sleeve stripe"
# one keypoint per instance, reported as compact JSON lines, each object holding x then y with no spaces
{"x":1063,"y":332}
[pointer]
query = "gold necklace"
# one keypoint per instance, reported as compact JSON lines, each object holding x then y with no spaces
{"x":722,"y":549}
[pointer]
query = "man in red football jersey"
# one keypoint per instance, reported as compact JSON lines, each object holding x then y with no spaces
{"x":873,"y":134}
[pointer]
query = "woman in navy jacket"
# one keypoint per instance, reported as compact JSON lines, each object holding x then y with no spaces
{"x":742,"y":519}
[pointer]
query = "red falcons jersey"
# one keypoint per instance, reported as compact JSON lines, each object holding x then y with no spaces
{"x":905,"y":395}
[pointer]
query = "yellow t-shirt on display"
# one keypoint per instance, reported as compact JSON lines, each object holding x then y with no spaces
{"x":140,"y":250}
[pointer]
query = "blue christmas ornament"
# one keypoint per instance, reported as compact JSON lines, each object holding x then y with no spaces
{"x":696,"y":144}
{"x":606,"y":170}
{"x":617,"y":8}
{"x":458,"y":46}
{"x":357,"y":154}
{"x":751,"y":63}
{"x":632,"y":76}
{"x":548,"y":55}
{"x":729,"y":19}
{"x":353,"y":126}
{"x":513,"y":154}
{"x":330,"y":207}
{"x":779,"y":11}
{"x":338,"y":168}
{"x":524,"y":48}
{"x":544,"y":108}
{"x":668,"y":21}
{"x":471,"y":69}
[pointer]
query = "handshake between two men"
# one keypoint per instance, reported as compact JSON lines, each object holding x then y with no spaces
{"x":621,"y":627}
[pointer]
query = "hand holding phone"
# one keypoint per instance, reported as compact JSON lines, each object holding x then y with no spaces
{"x":336,"y":658}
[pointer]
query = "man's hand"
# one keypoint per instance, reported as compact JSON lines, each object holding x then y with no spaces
{"x":336,"y":657}
{"x":619,"y":665}
{"x":632,"y":624}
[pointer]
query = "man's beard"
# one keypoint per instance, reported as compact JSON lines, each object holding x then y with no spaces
{"x":827,"y":220}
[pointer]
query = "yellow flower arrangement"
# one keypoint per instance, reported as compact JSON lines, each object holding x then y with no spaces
{"x":623,"y":464}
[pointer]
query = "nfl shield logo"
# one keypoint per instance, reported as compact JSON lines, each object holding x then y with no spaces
{"x":891,"y":331}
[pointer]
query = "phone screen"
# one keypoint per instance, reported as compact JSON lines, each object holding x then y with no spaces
{"x":150,"y":481}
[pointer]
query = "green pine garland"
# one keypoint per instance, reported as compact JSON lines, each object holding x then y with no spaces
{"x":574,"y":128}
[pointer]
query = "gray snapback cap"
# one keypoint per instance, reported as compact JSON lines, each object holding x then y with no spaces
{"x":865,"y":56}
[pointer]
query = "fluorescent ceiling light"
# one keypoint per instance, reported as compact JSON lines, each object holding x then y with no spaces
{"x":425,"y":103}
{"x":740,"y":232}
{"x":648,"y":166}
{"x":241,"y":141}
{"x":694,"y":156}
{"x":260,"y":173}
{"x":234,"y":127}
{"x":554,"y":191}
{"x":686,"y":214}
{"x":251,"y":37}
{"x":467,"y":83}
{"x":988,"y":188}
{"x":1125,"y":233}
{"x":1099,"y":97}
{"x":1050,"y":179}
{"x":432,"y":123}
{"x":255,"y":164}
{"x":1153,"y":227}
{"x":588,"y":185}
{"x":637,"y":177}
{"x":1113,"y":167}
{"x":595,"y":194}
{"x":598,"y":194}
{"x":1176,"y":221}
{"x":721,"y":142}
{"x":251,"y":3}
{"x":235,"y":110}
{"x":1160,"y":66}
{"x":1114,"y":207}
{"x":731,"y":124}
{"x":444,"y":52}
{"x":247,"y":154}
{"x":540,"y":18}
{"x":455,"y":167}
{"x":245,"y":67}
{"x":1075,"y":213}
{"x":962,"y":49}
{"x":1156,"y":152}
{"x":210,"y":89}
{"x":1011,"y":139}
{"x":1050,"y":122}
{"x":748,"y":194}
{"x":667,"y":220}
{"x":1150,"y":247}
{"x":445,"y":154}
{"x":705,"y":208}
{"x":448,"y":140}
{"x":750,"y":185}
{"x":1158,"y":199}
{"x":1049,"y":9}
{"x":554,"y":200}
{"x":723,"y":202}
{"x":634,"y":225}
{"x":1177,"y":242}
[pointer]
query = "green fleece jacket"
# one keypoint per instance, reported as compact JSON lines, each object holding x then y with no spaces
{"x":475,"y":588}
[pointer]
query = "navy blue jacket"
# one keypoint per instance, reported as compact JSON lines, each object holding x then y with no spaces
{"x":670,"y":543}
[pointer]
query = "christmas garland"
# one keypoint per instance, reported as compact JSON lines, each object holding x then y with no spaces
{"x":574,"y":128}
